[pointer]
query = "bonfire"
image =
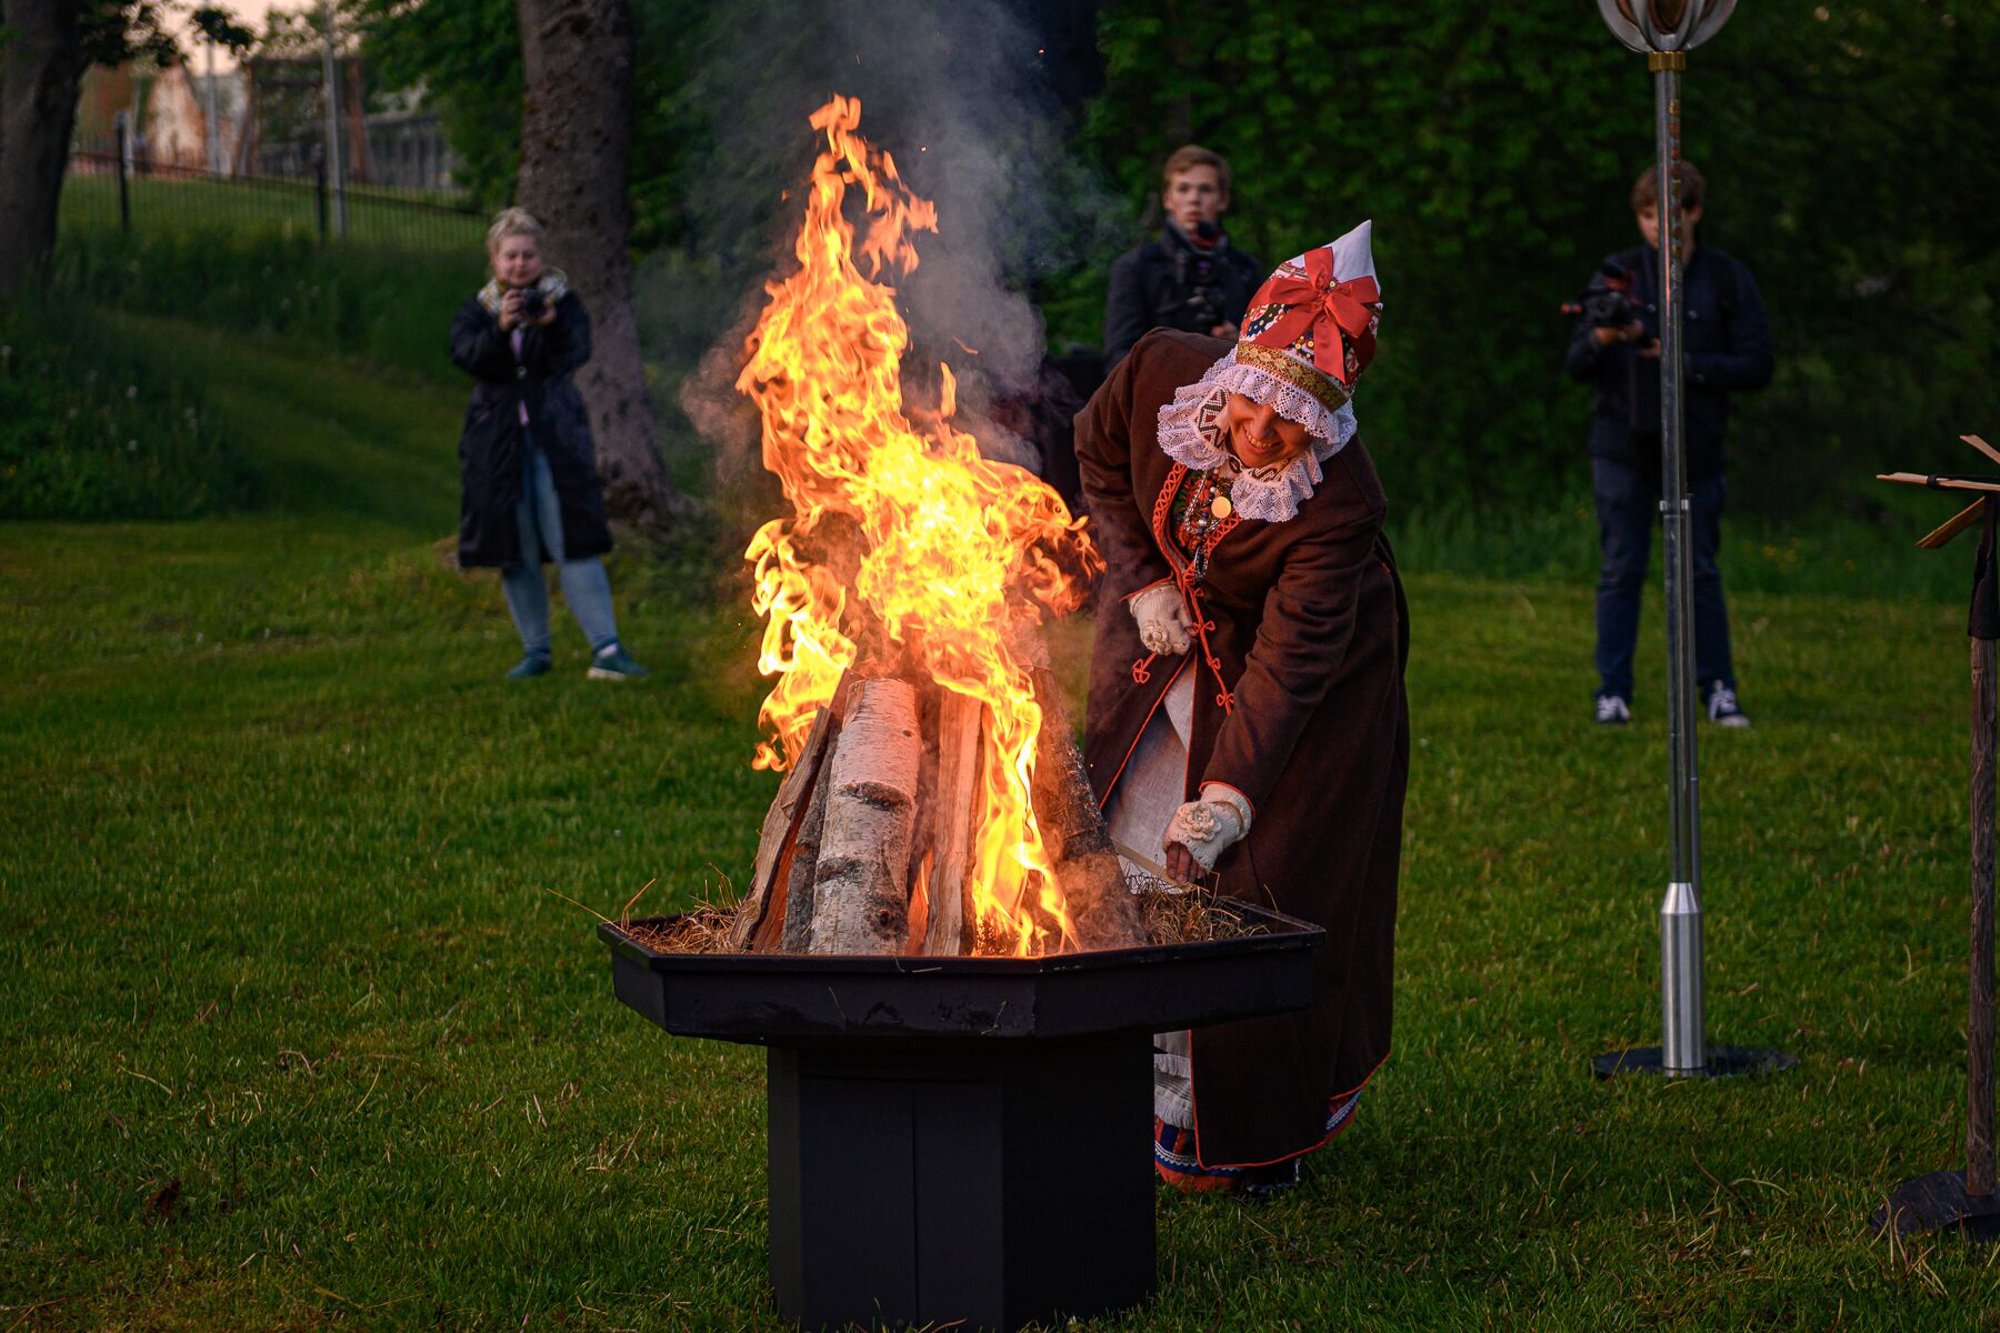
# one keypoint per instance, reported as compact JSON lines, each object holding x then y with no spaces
{"x":934,"y":801}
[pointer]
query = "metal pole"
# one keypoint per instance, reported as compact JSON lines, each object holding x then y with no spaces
{"x":124,"y":187}
{"x":1979,"y":1174}
{"x":1683,"y":1047}
{"x":335,"y":163}
{"x":214,"y":134}
{"x":319,"y":192}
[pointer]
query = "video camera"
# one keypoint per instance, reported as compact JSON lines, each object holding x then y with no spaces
{"x":1607,"y":301}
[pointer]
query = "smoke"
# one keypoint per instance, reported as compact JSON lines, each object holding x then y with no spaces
{"x":961,"y":95}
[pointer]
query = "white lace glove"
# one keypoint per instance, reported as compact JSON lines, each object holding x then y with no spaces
{"x":1163,"y":620}
{"x":1210,"y":826}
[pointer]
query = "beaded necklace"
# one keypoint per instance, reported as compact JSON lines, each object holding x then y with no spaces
{"x":1202,"y":512}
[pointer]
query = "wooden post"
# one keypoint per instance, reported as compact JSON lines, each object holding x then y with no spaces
{"x":124,"y":186}
{"x":1979,"y":1026}
{"x":1968,"y":1199}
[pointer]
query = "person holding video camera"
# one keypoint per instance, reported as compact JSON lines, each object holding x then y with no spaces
{"x":528,"y":468}
{"x":1615,"y":348}
{"x":1190,"y":278}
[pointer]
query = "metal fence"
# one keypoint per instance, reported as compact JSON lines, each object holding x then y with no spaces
{"x":108,"y":190}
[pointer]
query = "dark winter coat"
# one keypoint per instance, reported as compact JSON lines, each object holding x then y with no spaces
{"x":1726,"y":348}
{"x":1155,"y":286}
{"x":489,"y":446}
{"x":1310,"y":629}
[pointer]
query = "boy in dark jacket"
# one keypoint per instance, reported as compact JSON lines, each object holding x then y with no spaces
{"x":1726,"y":342}
{"x":1190,"y":278}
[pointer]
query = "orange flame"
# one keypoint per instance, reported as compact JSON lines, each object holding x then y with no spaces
{"x":953,"y":555}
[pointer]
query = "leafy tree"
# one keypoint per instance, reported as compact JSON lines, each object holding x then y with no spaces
{"x":216,"y":25}
{"x":466,"y":55}
{"x":576,"y":134}
{"x":47,"y":46}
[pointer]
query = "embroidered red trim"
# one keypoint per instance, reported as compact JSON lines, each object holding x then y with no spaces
{"x":1185,"y":577}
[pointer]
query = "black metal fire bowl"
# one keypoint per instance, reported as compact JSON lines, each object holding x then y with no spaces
{"x":963,"y":1140}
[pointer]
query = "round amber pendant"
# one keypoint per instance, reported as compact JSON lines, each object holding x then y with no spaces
{"x":1220,"y":506}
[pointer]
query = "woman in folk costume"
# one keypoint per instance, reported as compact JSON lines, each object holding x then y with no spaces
{"x":1246,"y":713}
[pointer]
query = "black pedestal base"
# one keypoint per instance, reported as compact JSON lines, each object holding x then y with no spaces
{"x":1723,"y":1062}
{"x":974,"y":1184}
{"x":1937,"y":1201}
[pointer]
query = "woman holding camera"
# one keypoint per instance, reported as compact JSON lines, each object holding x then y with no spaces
{"x":529,"y":473}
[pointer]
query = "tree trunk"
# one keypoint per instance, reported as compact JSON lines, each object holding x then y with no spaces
{"x":577,"y":59}
{"x":41,"y":69}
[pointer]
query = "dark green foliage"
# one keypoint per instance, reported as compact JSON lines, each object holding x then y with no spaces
{"x":214,"y":24}
{"x":92,"y":428}
{"x":467,"y":56}
{"x":1491,"y":146}
{"x":667,"y":120}
{"x":1494,"y":147}
{"x":1852,"y":170}
{"x":390,"y":306}
{"x":115,"y":31}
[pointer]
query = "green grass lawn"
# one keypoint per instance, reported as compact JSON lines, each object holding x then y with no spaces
{"x":374,"y":216}
{"x":298,"y":1033}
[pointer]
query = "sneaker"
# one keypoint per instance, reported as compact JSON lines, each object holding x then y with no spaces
{"x":529,"y":667}
{"x":613,"y":664}
{"x":1612,"y":711}
{"x":1723,"y":710}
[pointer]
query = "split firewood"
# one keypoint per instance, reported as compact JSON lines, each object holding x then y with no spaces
{"x":800,"y":894}
{"x":954,"y":799}
{"x":781,"y":823}
{"x":861,"y":880}
{"x":1101,"y":908}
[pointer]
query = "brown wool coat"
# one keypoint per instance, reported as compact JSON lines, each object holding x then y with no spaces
{"x":1311,"y":635}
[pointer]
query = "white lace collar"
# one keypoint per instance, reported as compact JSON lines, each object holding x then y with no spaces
{"x":1189,"y":435}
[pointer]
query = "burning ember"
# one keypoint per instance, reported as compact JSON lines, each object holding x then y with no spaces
{"x":902,"y":595}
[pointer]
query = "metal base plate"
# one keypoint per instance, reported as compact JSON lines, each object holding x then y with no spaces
{"x":1723,"y":1062}
{"x":1937,"y":1201}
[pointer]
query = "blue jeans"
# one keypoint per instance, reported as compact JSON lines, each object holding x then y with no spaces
{"x":585,"y":585}
{"x":1628,"y":504}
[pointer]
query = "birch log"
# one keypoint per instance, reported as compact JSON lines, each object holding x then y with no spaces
{"x":861,"y":882}
{"x":1102,"y":909}
{"x":800,"y":893}
{"x":781,"y":823}
{"x":956,"y":799}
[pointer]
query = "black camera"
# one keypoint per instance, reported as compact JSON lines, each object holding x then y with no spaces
{"x":1199,"y":275}
{"x":534,"y":303}
{"x":1607,"y":302}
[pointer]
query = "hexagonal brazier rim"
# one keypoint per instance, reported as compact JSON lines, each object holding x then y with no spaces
{"x":792,"y":998}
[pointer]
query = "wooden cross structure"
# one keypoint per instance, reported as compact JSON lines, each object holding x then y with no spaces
{"x":1950,"y":1198}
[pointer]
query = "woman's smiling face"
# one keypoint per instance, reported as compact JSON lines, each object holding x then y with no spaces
{"x":517,"y":261}
{"x":1257,"y":435}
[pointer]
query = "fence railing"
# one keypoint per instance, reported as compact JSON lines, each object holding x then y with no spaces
{"x":108,"y":191}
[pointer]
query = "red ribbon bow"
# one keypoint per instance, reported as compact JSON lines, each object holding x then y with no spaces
{"x":1317,"y":302}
